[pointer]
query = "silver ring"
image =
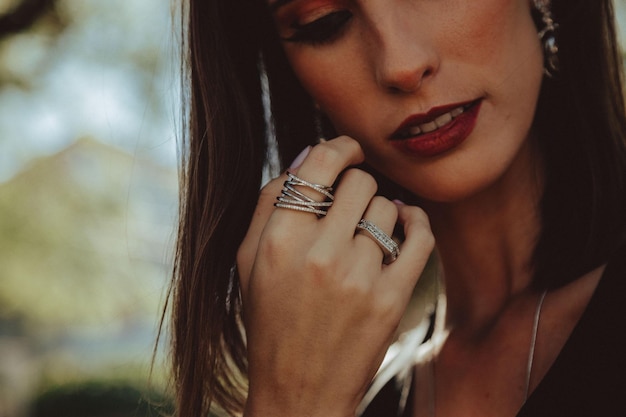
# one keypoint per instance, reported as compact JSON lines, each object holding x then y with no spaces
{"x":390,"y":248}
{"x":293,"y":199}
{"x":322,"y":189}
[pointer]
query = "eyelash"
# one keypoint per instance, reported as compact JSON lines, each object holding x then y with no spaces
{"x":321,"y":31}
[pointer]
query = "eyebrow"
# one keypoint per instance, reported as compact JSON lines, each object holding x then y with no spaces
{"x":278,"y":4}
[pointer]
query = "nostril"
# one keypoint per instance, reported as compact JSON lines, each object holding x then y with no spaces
{"x":399,"y":79}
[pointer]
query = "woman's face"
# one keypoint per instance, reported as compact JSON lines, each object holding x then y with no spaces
{"x":440,"y":93}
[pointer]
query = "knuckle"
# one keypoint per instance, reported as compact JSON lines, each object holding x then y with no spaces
{"x":321,"y":266}
{"x":419,"y":217}
{"x":382,"y":205}
{"x":344,"y":138}
{"x":351,"y":144}
{"x":274,"y":242}
{"x":360,"y":179}
{"x":324,"y":155}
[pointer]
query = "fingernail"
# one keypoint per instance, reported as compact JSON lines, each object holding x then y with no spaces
{"x":399,"y":202}
{"x":300,"y":158}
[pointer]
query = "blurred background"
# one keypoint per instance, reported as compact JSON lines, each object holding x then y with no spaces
{"x":88,"y":189}
{"x":89,"y":110}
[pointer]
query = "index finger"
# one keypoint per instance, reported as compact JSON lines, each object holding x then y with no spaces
{"x":327,"y":160}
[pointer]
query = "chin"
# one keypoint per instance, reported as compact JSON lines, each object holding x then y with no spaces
{"x":454,"y":184}
{"x":448,"y":193}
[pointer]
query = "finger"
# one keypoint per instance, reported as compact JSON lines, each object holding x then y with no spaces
{"x":322,"y":166}
{"x":262,"y":212}
{"x":414,"y":251}
{"x":328,"y":159}
{"x":354,"y":193}
{"x":383,"y":214}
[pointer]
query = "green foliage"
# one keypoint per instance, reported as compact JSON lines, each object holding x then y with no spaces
{"x":100,"y":399}
{"x":76,"y":247}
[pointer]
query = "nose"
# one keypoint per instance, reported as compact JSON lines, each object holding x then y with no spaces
{"x":404,"y":59}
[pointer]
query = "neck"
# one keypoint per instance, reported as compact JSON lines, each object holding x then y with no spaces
{"x":486,"y":244}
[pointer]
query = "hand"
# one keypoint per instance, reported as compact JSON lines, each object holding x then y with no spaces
{"x":320,"y":307}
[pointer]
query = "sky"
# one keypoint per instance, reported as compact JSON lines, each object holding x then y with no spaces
{"x":111,"y":75}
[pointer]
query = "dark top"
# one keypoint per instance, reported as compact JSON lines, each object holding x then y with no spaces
{"x":588,"y":378}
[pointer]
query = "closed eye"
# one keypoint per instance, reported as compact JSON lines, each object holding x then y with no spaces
{"x":321,"y":31}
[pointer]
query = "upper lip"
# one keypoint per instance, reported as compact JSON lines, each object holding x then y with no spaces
{"x":432,"y":114}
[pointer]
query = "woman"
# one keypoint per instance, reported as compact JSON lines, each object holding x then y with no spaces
{"x":509,"y":139}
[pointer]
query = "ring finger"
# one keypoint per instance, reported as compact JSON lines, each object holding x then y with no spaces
{"x":381,"y":214}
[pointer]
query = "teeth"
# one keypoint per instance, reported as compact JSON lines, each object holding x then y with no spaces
{"x":429,"y":127}
{"x":415,"y":130}
{"x":433,"y":125}
{"x":443,"y":120}
{"x":457,"y":111}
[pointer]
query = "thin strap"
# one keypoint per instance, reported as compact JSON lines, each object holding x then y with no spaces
{"x":533,"y":340}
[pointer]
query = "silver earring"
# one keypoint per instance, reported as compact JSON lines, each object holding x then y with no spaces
{"x":547,"y":36}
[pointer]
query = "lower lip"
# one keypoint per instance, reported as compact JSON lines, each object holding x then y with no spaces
{"x":443,"y":139}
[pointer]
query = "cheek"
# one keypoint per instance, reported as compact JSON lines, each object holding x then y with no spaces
{"x":485,"y":47}
{"x":341,"y":86}
{"x":491,"y":34}
{"x":328,"y":74}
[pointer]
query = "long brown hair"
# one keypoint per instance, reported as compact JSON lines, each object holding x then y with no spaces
{"x":232,"y":50}
{"x":581,"y":120}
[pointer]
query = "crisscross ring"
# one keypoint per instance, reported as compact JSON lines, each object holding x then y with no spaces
{"x":293,"y":199}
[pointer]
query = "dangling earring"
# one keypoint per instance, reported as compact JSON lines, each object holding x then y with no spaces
{"x":547,"y":36}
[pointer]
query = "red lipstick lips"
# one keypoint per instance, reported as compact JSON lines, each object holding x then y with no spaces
{"x":439,"y":130}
